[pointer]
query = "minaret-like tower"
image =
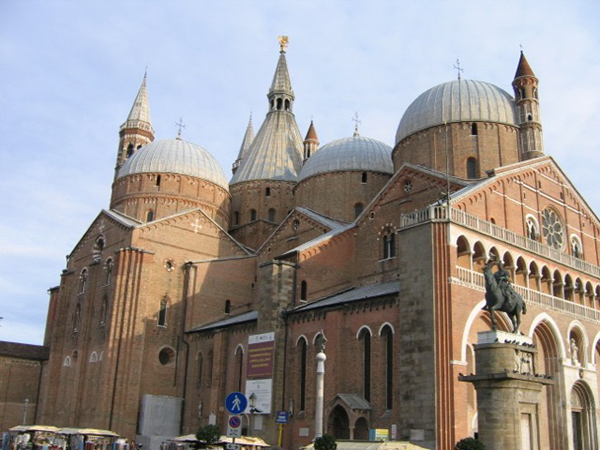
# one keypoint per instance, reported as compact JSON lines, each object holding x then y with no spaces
{"x":246,"y":143}
{"x":311,"y":142}
{"x":525,"y":86}
{"x":137,"y":130}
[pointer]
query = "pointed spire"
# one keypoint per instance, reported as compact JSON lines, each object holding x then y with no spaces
{"x":281,"y":84}
{"x":245,"y":147}
{"x":523,"y":68}
{"x":140,"y":111}
{"x":311,"y":135}
{"x":311,"y":142}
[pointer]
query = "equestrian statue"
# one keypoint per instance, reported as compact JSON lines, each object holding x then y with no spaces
{"x":501,"y":296}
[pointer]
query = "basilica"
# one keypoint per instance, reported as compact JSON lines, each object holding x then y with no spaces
{"x":192,"y":285}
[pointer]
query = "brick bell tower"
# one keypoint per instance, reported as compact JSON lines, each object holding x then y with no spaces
{"x":525,"y":86}
{"x":137,"y":130}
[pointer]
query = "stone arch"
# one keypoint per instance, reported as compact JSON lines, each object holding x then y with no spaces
{"x":479,"y":256}
{"x":583,"y":417}
{"x":568,"y":288}
{"x":546,"y":281}
{"x":463,"y":252}
{"x":364,"y":328}
{"x":386,"y":324}
{"x":338,"y":423}
{"x":361,"y":429}
{"x":558,"y":285}
{"x":521,"y":273}
{"x":534,"y":276}
{"x":546,"y":336}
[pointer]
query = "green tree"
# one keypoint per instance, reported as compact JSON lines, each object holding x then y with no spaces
{"x":208,"y":435}
{"x":325,"y":442}
{"x":469,"y":444}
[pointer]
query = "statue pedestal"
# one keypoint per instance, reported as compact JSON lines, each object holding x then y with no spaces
{"x":508,"y":391}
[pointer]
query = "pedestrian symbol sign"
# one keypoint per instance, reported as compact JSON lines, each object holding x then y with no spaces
{"x":236,"y":403}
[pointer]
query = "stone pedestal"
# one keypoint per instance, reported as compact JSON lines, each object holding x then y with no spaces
{"x":508,"y":391}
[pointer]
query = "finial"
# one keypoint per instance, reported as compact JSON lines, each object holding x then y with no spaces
{"x":145,"y":73}
{"x":181,"y":125}
{"x":521,"y":47}
{"x":283,"y":42}
{"x":356,"y":124}
{"x":458,"y":68}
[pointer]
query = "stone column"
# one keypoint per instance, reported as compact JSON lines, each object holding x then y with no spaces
{"x":508,"y":391}
{"x":321,"y":357}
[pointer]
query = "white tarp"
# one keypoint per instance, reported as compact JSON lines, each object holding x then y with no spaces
{"x":160,"y":415}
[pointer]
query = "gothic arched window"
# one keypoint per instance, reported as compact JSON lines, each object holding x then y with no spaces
{"x":471,"y":168}
{"x":162,"y":313}
{"x":365,"y":338}
{"x":83,"y":279}
{"x":303,"y":359}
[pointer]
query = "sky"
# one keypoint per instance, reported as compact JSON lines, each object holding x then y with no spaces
{"x":70,"y":70}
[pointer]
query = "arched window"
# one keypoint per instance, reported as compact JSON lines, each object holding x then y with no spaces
{"x":471,"y":168}
{"x":287,"y":105}
{"x":389,"y":244}
{"x":129,"y":150}
{"x":199,"y":368}
{"x":157,"y":181}
{"x":303,"y":291}
{"x":303,"y":355}
{"x":236,"y":218}
{"x":227,"y":306}
{"x":279,"y":104}
{"x":271,"y":215}
{"x":252,"y":215}
{"x":365,"y":338}
{"x":474,"y":129}
{"x":149,"y":215}
{"x":239,"y":361}
{"x":388,"y":341}
{"x":162,"y":313}
{"x":358,"y":208}
{"x":532,"y":228}
{"x":268,"y":192}
{"x":109,"y":270}
{"x":83,"y":279}
{"x":363,"y":178}
{"x":576,"y":247}
{"x":98,"y":248}
{"x":210,"y":367}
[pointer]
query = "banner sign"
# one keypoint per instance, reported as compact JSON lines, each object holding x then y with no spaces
{"x":260,"y":355}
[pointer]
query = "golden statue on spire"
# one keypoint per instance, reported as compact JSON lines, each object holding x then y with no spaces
{"x":283,"y":42}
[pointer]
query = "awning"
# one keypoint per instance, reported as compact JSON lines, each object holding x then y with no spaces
{"x":372,"y":445}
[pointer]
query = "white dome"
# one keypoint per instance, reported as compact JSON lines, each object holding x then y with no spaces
{"x":352,"y":153}
{"x":457,"y":101}
{"x":175,"y":156}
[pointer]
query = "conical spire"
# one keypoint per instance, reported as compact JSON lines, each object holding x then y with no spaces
{"x":245,"y":147}
{"x":140,"y":111}
{"x":276,"y":152}
{"x":524,"y":69}
{"x":311,"y":142}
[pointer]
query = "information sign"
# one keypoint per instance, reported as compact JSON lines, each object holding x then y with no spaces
{"x":282,"y":417}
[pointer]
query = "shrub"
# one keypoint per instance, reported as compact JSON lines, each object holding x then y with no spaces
{"x":325,"y":442}
{"x":208,"y":435}
{"x":469,"y":444}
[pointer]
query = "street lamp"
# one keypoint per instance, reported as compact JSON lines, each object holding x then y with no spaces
{"x":252,"y":400}
{"x":25,"y":411}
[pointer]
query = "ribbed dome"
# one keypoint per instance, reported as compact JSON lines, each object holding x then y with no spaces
{"x":175,"y":156}
{"x":457,"y":101}
{"x":352,"y":153}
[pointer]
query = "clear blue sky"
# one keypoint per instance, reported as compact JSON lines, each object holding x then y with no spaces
{"x":69,"y":72}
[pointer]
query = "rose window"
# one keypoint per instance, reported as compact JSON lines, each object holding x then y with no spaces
{"x":552,"y":229}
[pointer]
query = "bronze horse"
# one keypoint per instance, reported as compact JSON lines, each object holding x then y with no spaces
{"x":500,"y":296}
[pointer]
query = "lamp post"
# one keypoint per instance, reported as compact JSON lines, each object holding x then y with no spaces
{"x":252,"y":400}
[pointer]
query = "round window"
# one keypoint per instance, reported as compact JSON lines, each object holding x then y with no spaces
{"x":552,"y":229}
{"x":165,"y":356}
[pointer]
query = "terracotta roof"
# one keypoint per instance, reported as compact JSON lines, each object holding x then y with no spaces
{"x":524,"y":69}
{"x":312,"y":134}
{"x":25,"y":351}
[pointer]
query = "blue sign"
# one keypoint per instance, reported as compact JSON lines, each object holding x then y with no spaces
{"x":282,"y":417}
{"x":236,"y":403}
